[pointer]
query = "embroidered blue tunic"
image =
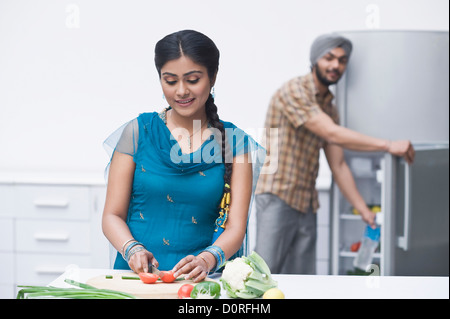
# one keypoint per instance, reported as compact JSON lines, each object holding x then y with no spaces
{"x":175,"y":196}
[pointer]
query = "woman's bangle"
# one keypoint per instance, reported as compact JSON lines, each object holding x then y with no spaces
{"x":123,"y":246}
{"x":127,"y":255}
{"x":133,"y":251}
{"x":218,"y":254}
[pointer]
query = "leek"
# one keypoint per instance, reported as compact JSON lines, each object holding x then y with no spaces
{"x":84,"y":291}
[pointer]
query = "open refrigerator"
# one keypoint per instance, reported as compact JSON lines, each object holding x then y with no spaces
{"x":396,"y":87}
{"x":412,"y":207}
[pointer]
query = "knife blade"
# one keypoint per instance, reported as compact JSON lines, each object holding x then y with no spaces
{"x":154,"y":270}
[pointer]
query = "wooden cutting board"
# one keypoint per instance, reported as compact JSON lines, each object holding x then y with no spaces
{"x":158,"y":290}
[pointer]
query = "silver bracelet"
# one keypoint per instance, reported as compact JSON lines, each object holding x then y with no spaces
{"x":133,"y":251}
{"x":123,"y":246}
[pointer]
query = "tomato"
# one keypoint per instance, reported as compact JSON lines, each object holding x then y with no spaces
{"x":167,"y":276}
{"x":355,"y":246}
{"x":185,"y":291}
{"x":148,"y":278}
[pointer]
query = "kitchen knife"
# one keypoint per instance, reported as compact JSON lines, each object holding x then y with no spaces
{"x":154,"y":270}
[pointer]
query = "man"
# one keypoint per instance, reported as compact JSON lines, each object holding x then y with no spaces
{"x":287,"y":201}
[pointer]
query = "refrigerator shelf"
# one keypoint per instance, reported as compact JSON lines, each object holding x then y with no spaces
{"x":350,"y":217}
{"x":351,"y":254}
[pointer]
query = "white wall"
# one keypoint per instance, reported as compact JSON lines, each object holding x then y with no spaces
{"x":73,"y":71}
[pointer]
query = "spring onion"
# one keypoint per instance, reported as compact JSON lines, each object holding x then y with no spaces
{"x":130,"y":278}
{"x":84,"y":291}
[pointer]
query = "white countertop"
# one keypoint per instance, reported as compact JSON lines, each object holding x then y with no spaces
{"x":323,"y":286}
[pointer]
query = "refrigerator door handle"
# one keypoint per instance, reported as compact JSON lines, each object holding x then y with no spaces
{"x":403,"y":241}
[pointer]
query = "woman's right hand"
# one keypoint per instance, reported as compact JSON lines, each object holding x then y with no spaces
{"x":140,"y":260}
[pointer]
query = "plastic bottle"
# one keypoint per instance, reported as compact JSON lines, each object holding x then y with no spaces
{"x":369,"y":243}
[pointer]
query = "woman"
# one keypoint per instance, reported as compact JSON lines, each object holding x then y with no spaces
{"x":171,"y":172}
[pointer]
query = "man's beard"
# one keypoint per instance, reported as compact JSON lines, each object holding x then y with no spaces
{"x":323,"y":79}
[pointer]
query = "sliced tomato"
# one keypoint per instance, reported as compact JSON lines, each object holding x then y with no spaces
{"x":167,"y":276}
{"x":148,"y":278}
{"x":185,"y":291}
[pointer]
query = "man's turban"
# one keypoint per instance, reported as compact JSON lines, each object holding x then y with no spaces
{"x":327,"y":42}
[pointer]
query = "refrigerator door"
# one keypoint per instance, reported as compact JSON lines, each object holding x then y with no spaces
{"x":416,"y":229}
{"x":394,"y":80}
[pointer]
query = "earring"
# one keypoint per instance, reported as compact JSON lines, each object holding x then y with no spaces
{"x":213,"y":92}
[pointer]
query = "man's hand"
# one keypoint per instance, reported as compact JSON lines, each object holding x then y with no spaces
{"x":369,"y":217}
{"x":403,"y":149}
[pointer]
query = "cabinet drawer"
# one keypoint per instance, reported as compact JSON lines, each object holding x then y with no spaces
{"x":6,"y":268}
{"x":6,"y":200}
{"x":52,"y":236}
{"x":41,"y":269}
{"x":52,"y":202}
{"x":6,"y":234}
{"x":7,"y":291}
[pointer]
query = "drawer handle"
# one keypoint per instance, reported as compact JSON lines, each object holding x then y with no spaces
{"x":50,"y":270}
{"x":51,"y":237}
{"x":51,"y":203}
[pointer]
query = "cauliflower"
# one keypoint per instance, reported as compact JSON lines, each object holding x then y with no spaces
{"x":247,"y":277}
{"x":235,"y":273}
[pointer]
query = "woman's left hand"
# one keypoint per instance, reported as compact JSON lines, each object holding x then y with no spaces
{"x":195,"y":267}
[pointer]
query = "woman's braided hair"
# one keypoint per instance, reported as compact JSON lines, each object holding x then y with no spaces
{"x":202,"y":50}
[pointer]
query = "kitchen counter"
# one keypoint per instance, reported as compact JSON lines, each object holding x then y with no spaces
{"x":322,"y":287}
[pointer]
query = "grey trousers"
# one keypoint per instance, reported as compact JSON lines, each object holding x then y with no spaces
{"x":285,"y":237}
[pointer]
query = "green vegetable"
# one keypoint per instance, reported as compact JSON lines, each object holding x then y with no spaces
{"x":247,"y":277}
{"x":206,"y":290}
{"x":86,"y":292}
{"x":130,"y":278}
{"x":79,"y":284}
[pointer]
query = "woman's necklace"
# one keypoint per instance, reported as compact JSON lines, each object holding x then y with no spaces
{"x":190,"y":136}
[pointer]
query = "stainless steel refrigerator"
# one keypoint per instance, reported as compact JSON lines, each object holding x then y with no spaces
{"x":396,"y":87}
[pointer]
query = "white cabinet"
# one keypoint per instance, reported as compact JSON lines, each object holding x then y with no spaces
{"x":6,"y":203}
{"x":48,"y":226}
{"x":49,"y":236}
{"x":40,"y":269}
{"x":6,"y":257}
{"x":52,"y":202}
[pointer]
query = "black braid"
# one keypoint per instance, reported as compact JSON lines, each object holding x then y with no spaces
{"x":213,"y":118}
